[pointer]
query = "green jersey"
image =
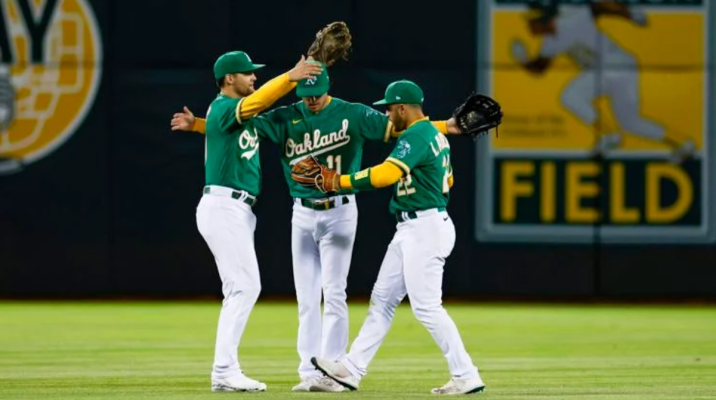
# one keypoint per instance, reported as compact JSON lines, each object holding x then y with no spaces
{"x":231,"y":154}
{"x":423,"y":153}
{"x":335,"y":136}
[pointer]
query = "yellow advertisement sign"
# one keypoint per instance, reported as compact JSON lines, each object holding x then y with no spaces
{"x":606,"y":128}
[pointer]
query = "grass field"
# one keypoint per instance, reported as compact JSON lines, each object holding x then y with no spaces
{"x":135,"y":351}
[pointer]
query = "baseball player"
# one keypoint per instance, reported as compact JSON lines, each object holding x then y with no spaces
{"x":233,"y":181}
{"x":607,"y":69}
{"x":323,"y":227}
{"x":419,"y":167}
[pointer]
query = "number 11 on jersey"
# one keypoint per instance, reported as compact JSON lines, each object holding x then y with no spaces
{"x":334,"y":162}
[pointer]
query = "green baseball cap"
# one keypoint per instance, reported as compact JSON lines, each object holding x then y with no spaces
{"x":402,"y":92}
{"x":234,"y":62}
{"x":314,"y":86}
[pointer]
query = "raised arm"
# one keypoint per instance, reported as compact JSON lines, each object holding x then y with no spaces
{"x":256,"y":102}
{"x":446,"y":127}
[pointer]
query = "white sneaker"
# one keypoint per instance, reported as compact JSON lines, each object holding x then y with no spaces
{"x":461,"y":386}
{"x":239,"y":383}
{"x":303,"y":386}
{"x":337,"y":372}
{"x":326,"y":384}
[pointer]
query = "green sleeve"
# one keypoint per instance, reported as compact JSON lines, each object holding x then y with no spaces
{"x":227,"y":114}
{"x":270,"y":125}
{"x":372,"y":124}
{"x":408,"y":153}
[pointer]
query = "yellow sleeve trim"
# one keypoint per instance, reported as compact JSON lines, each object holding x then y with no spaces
{"x":264,"y":97}
{"x":385,"y":174}
{"x":346,"y":182}
{"x":388,"y":131}
{"x":400,"y":164}
{"x":199,"y":126}
{"x":441,"y":126}
{"x":238,"y":110}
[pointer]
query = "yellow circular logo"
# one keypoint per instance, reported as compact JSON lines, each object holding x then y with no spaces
{"x":50,"y":65}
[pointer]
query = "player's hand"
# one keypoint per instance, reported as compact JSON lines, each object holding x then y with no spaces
{"x":329,"y":181}
{"x":452,"y":127}
{"x":304,"y":69}
{"x":309,"y":172}
{"x":183,"y":121}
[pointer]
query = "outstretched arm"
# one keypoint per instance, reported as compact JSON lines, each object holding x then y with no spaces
{"x":256,"y":102}
{"x":447,"y":127}
{"x":379,"y":176}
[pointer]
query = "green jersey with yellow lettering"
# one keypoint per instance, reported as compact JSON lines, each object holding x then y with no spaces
{"x":231,"y":154}
{"x":423,"y":153}
{"x":335,"y":136}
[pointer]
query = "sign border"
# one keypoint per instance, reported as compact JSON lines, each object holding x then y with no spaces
{"x":487,"y":231}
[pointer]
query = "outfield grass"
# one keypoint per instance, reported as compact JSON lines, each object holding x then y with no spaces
{"x":135,"y":351}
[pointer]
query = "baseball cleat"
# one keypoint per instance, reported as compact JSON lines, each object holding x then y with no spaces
{"x":303,"y":386}
{"x":461,"y":386}
{"x":326,"y":384}
{"x":237,"y":384}
{"x":337,"y":372}
{"x":318,"y":384}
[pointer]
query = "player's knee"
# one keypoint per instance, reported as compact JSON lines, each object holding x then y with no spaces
{"x":427,"y":314}
{"x":253,"y":292}
{"x":384,"y":303}
{"x":334,"y":298}
{"x":248,"y":293}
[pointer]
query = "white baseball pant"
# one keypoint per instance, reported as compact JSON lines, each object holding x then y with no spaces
{"x":413,"y":265}
{"x":322,"y":246}
{"x":228,"y":226}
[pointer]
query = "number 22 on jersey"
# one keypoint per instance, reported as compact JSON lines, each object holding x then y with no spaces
{"x":405,"y":184}
{"x":447,"y":174}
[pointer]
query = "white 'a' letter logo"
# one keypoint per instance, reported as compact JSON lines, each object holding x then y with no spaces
{"x":311,"y":81}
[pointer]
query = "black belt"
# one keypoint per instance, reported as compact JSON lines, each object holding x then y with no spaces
{"x":242,"y":196}
{"x":322,"y":204}
{"x":405,"y":216}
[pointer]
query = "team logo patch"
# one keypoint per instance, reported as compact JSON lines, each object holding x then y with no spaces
{"x":403,"y":149}
{"x":50,"y":69}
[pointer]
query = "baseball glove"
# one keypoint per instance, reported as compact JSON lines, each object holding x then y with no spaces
{"x":477,"y":115}
{"x":310,"y":173}
{"x":332,"y":43}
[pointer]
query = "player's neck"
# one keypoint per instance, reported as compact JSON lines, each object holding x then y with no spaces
{"x":229,"y":92}
{"x":414,"y":117}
